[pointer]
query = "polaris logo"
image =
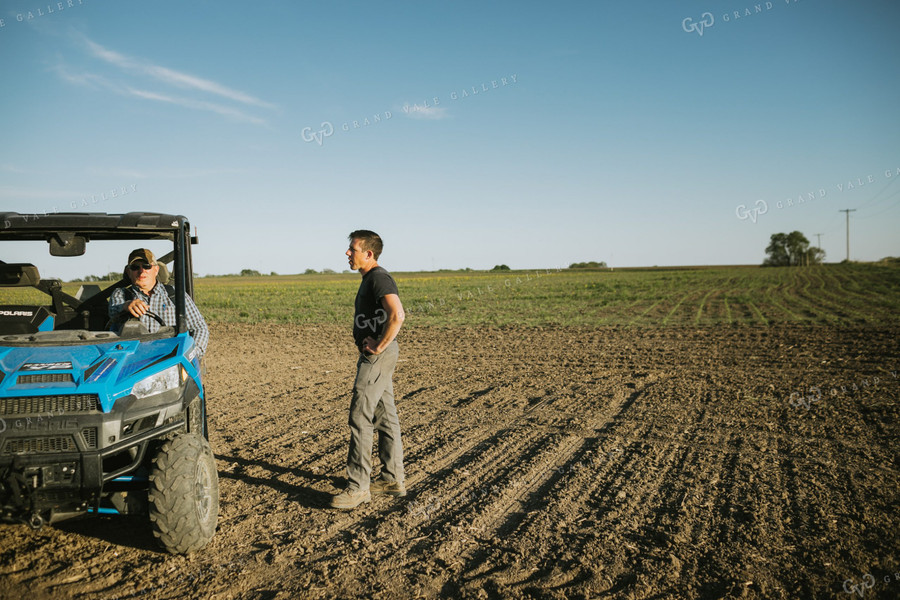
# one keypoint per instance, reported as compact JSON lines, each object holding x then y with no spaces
{"x":16,"y":313}
{"x":53,"y":366}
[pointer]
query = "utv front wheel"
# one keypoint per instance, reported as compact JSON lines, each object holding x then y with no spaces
{"x":184,"y":494}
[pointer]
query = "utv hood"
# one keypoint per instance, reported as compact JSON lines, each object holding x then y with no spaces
{"x":108,"y":370}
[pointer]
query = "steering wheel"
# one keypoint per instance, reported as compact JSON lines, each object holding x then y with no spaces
{"x":155,"y":317}
{"x":125,"y":317}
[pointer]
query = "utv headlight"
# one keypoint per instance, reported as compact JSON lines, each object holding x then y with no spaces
{"x":158,"y":383}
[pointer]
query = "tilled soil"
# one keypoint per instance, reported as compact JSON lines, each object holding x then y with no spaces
{"x":723,"y":462}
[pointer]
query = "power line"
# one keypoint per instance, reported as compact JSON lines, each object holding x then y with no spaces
{"x":874,"y":199}
{"x":891,"y":207}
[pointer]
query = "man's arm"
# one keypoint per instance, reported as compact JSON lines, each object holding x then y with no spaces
{"x":395,"y":317}
{"x":116,"y":303}
{"x":196,"y":324}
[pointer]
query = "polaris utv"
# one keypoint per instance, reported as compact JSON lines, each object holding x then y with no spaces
{"x":98,"y":417}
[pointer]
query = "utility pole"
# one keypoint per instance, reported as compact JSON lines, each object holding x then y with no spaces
{"x":848,"y":211}
{"x":819,"y":237}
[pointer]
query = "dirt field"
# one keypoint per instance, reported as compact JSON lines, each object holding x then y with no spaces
{"x":541,"y":463}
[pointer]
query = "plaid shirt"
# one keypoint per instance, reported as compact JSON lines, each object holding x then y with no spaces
{"x":161,"y":304}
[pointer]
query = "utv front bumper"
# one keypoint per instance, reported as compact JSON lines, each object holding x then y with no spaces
{"x":59,"y":464}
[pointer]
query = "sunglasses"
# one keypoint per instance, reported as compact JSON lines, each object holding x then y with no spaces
{"x":138,"y":266}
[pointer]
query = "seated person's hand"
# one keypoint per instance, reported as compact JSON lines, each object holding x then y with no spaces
{"x":137,"y":308}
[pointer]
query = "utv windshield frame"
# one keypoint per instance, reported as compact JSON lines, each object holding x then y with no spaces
{"x":65,"y":232}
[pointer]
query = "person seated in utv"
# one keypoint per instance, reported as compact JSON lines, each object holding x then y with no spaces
{"x":147,"y":294}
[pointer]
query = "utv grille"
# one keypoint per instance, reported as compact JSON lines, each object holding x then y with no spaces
{"x":90,"y":436}
{"x":37,"y":445}
{"x":41,"y":405}
{"x":46,"y":378}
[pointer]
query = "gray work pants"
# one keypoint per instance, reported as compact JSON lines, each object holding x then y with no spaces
{"x":372,"y":409}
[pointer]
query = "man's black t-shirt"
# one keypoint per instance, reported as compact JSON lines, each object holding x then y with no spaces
{"x":370,"y":317}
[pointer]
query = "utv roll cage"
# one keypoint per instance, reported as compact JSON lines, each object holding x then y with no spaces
{"x":67,"y":234}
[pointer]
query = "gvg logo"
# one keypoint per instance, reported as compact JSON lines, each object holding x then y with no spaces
{"x":797,"y":399}
{"x":327,"y":129}
{"x":867,"y":583}
{"x":308,"y":135}
{"x":373,"y":323}
{"x":759,"y":208}
{"x":706,"y":20}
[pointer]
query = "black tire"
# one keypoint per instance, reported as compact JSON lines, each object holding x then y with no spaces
{"x":184,"y":494}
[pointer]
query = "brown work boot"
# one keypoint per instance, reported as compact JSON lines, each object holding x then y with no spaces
{"x":389,"y":488}
{"x":350,"y":499}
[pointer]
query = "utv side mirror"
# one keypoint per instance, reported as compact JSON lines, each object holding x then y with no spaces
{"x":64,"y":243}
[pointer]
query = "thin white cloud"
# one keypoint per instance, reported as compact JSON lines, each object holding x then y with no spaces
{"x":139,"y":70}
{"x":190,"y":82}
{"x":109,"y":56}
{"x":124,"y":174}
{"x":172,"y":77}
{"x":432,"y":113}
{"x":98,"y":81}
{"x":187,"y":173}
{"x":225,"y":111}
{"x":85,"y":79}
{"x":192,"y":173}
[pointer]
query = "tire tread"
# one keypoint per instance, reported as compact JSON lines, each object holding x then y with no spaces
{"x":172,"y":511}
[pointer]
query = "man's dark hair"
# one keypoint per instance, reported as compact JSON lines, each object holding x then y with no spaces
{"x":368,"y":240}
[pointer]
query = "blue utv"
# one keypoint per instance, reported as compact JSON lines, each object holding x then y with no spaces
{"x":99,"y":417}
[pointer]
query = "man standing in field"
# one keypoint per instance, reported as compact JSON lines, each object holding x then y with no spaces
{"x":377,"y":320}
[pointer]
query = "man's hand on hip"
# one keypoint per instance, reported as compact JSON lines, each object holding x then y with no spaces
{"x":370,"y":346}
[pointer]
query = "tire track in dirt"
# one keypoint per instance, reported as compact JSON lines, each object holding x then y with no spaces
{"x":526,"y":493}
{"x":623,"y":501}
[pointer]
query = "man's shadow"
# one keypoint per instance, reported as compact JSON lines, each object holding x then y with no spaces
{"x":304,"y":495}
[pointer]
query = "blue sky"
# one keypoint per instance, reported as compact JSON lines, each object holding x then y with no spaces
{"x":467,"y":134}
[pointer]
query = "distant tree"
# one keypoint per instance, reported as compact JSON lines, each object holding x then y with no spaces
{"x":328,"y":271}
{"x":273,"y":274}
{"x":500,"y":268}
{"x":815,"y":256}
{"x":249,"y":273}
{"x":310,"y":272}
{"x":589,"y":265}
{"x":791,"y":250}
{"x":111,"y":276}
{"x":777,"y":251}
